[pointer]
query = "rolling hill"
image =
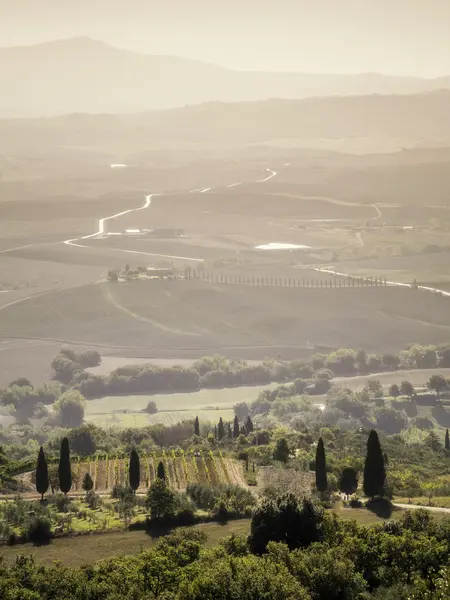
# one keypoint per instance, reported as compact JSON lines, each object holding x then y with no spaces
{"x":85,"y":75}
{"x":422,"y":119}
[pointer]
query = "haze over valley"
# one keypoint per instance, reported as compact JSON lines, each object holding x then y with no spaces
{"x":225,"y":300}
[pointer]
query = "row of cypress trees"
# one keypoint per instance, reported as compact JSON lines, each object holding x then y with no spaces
{"x":374,"y":467}
{"x":65,"y":470}
{"x":230,"y":431}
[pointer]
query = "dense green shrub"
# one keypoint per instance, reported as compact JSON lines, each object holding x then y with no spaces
{"x":39,"y":530}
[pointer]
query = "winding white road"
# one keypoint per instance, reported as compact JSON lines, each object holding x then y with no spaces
{"x":101,"y":223}
{"x":148,"y":201}
{"x":271,"y":175}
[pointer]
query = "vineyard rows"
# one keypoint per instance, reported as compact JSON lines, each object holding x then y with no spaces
{"x":180,"y":469}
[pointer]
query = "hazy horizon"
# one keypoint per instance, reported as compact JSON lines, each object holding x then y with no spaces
{"x":397,"y":37}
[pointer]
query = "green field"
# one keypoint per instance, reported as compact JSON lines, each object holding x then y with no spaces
{"x":77,"y":550}
{"x":207,"y":404}
{"x":190,"y":319}
{"x":438,"y":501}
{"x":418,"y":377}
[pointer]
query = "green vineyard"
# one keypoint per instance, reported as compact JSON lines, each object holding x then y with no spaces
{"x":180,"y":470}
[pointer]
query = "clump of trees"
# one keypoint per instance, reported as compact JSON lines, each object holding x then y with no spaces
{"x":288,"y":520}
{"x":237,"y":501}
{"x":310,"y":377}
{"x":27,"y":402}
{"x":70,"y":409}
{"x":294,"y":552}
{"x":68,"y":363}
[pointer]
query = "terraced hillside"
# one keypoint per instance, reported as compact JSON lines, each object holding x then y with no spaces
{"x":180,"y":468}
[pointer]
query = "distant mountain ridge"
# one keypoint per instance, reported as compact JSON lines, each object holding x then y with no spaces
{"x":422,"y":118}
{"x":88,"y":76}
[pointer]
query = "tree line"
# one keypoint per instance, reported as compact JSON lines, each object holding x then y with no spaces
{"x":217,"y":371}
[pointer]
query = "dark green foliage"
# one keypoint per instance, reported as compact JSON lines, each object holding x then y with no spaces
{"x":151,"y":408}
{"x":248,"y":425}
{"x":229,"y":431}
{"x":391,"y":420}
{"x":433,"y":442}
{"x":394,"y":391}
{"x":21,"y":382}
{"x":88,"y":484}
{"x":161,"y":472}
{"x":235,"y":428}
{"x":348,"y":483}
{"x":321,"y":468}
{"x":241,"y":578}
{"x":64,"y":468}
{"x":93,"y":500}
{"x":89,"y":358}
{"x":65,"y":369}
{"x":447,"y":440}
{"x":123,"y":493}
{"x":407,"y":389}
{"x":438,"y":383}
{"x":83,"y":439}
{"x":286,"y":520}
{"x":220,"y":512}
{"x":61,"y":502}
{"x":39,"y":531}
{"x":196,"y":426}
{"x":239,"y":501}
{"x":70,"y":407}
{"x":42,"y":481}
{"x":220,"y":430}
{"x":160,"y":500}
{"x":281,"y":451}
{"x":134,"y":470}
{"x":374,"y":468}
{"x":317,"y":557}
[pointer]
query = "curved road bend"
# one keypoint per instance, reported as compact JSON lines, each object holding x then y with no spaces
{"x":101,"y":223}
{"x":148,"y":200}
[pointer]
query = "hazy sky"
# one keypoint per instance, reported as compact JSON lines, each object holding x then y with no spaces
{"x":410,"y":37}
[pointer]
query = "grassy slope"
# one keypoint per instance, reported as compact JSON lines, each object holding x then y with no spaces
{"x":197,"y":317}
{"x":208,"y":405}
{"x":75,"y":551}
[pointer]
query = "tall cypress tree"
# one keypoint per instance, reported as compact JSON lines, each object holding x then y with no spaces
{"x":64,"y":468}
{"x":134,"y":471}
{"x":196,"y":426}
{"x":447,"y":440}
{"x":248,"y":425}
{"x":161,"y":472}
{"x":236,"y":428}
{"x":42,"y":481}
{"x":321,"y":468}
{"x":374,"y":469}
{"x":229,"y":431}
{"x":220,"y":430}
